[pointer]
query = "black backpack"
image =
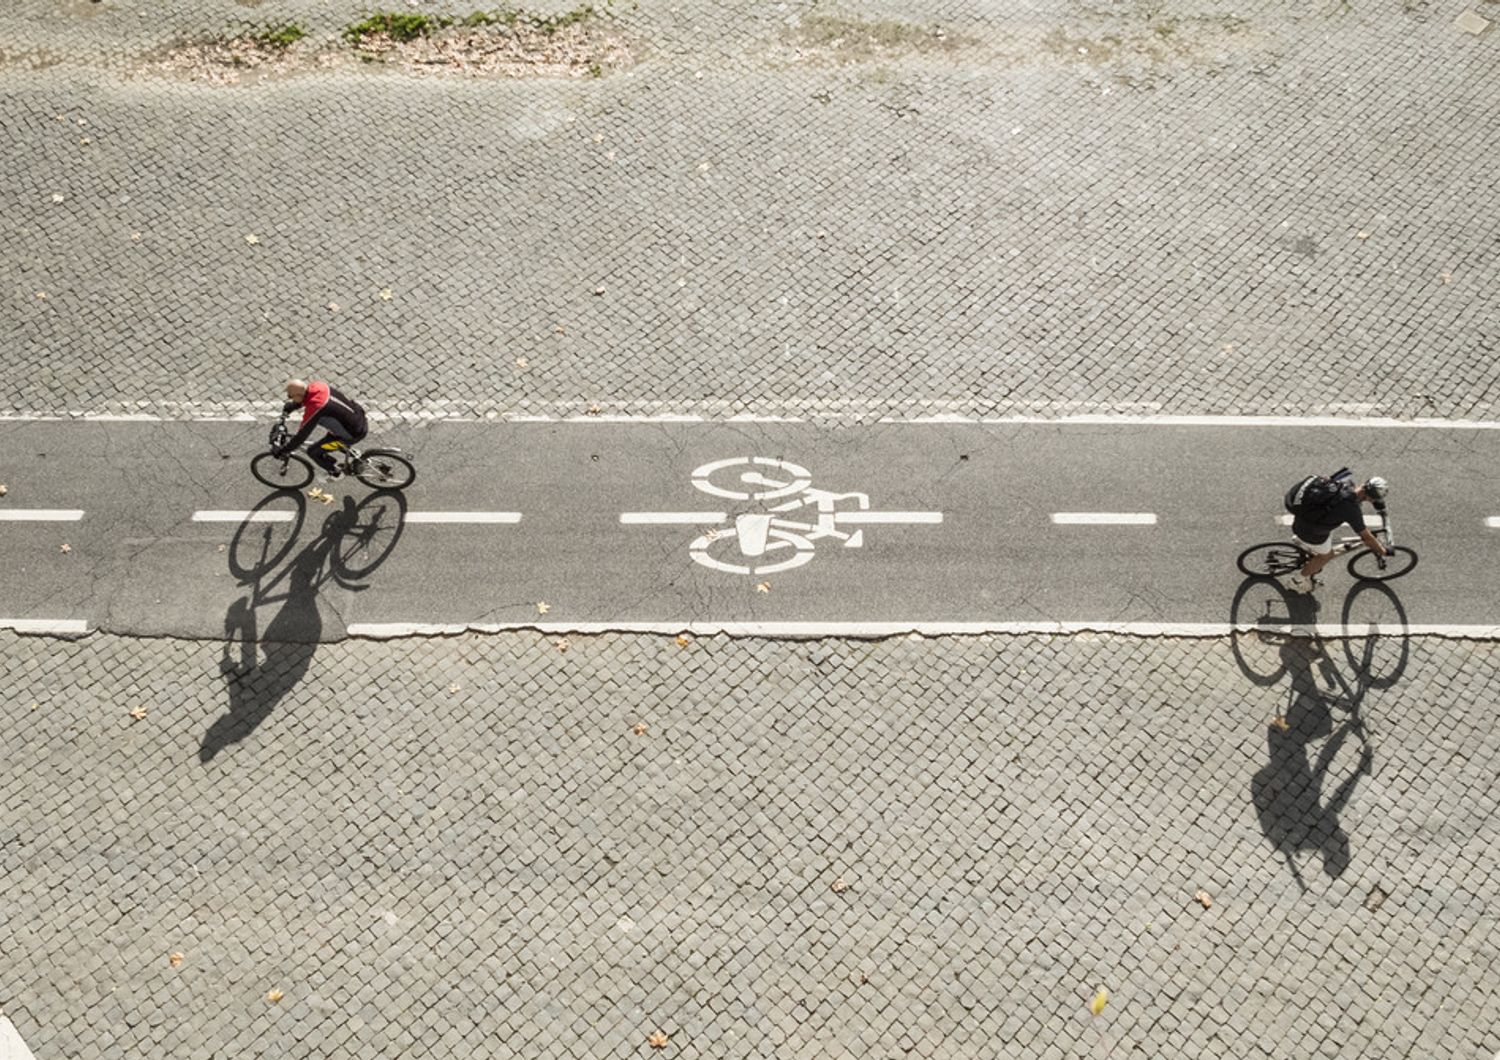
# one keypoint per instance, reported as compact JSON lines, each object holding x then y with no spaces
{"x":1317,"y":493}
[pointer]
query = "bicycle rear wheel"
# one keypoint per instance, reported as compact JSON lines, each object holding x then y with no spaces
{"x":1271,"y":560}
{"x":383,"y":469}
{"x":290,"y":472}
{"x":1368,"y":567}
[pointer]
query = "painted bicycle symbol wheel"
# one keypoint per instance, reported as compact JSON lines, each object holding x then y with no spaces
{"x":755,"y":540}
{"x":752,"y":478}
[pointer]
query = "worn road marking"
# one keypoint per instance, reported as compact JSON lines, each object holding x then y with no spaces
{"x":1104,"y":518}
{"x":888,"y":517}
{"x":40,"y":515}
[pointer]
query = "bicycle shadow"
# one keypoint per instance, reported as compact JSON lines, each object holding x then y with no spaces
{"x":285,"y":580}
{"x":1278,"y":639}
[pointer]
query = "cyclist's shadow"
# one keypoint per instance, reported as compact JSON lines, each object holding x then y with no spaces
{"x":272,"y":661}
{"x":1307,"y":744}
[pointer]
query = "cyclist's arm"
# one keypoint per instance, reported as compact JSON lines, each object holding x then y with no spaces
{"x":1371,"y":543}
{"x":309,"y":424}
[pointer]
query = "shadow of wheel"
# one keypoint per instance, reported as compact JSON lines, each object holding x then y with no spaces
{"x":371,"y":535}
{"x":264,"y":538}
{"x":1271,"y":559}
{"x":1376,"y":642}
{"x":1263,"y":623}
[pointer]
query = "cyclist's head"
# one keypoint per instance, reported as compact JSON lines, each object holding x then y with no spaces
{"x":1376,"y":488}
{"x":296,"y":389}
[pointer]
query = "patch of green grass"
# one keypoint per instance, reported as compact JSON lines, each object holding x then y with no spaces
{"x":399,"y":26}
{"x":281,"y":37}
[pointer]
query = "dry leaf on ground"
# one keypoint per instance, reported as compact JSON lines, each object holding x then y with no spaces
{"x":594,"y":409}
{"x":453,"y":689}
{"x":275,"y":996}
{"x":522,"y":362}
{"x":139,"y":713}
{"x":65,"y":548}
{"x":175,"y":960}
{"x":4,"y":489}
{"x":252,"y":239}
{"x":840,"y":885}
{"x":1280,"y":724}
{"x":639,"y":728}
{"x":386,"y":295}
{"x":658,"y":1040}
{"x":562,"y":645}
{"x":1204,"y":899}
{"x":763,"y":587}
{"x":1101,"y":999}
{"x":683,"y":640}
{"x":542,"y":607}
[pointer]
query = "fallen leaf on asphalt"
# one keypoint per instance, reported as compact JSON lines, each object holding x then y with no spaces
{"x":175,"y":960}
{"x":1101,"y":999}
{"x":3,"y":489}
{"x":317,"y":493}
{"x":275,"y":996}
{"x":561,"y":645}
{"x":711,"y":534}
{"x":139,"y":713}
{"x":1280,"y":724}
{"x":658,"y":1040}
{"x":639,"y":728}
{"x":386,"y":295}
{"x":223,"y":548}
{"x":683,"y":640}
{"x":763,"y":587}
{"x":522,"y":362}
{"x":65,"y":548}
{"x":840,"y":885}
{"x":542,"y":607}
{"x":252,"y":239}
{"x":1204,"y":899}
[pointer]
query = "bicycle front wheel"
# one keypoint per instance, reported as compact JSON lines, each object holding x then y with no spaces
{"x":384,"y":470}
{"x":1368,"y":567}
{"x":1271,"y":560}
{"x":290,"y":472}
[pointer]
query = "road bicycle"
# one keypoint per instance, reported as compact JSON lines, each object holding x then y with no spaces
{"x":382,"y":469}
{"x":1274,"y":559}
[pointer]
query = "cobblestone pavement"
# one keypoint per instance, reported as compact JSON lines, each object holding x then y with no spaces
{"x":794,"y":209}
{"x":827,"y":849}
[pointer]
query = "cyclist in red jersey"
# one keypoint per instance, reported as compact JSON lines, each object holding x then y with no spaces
{"x":341,"y":417}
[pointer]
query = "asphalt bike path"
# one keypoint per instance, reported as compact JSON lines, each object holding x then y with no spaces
{"x":141,"y":528}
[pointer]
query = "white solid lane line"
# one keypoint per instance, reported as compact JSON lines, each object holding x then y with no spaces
{"x":463,"y":517}
{"x":265,"y":515}
{"x":1104,"y":518}
{"x":875,"y":630}
{"x":43,"y":625}
{"x":1493,"y":522}
{"x":11,"y":1045}
{"x":671,"y":518}
{"x":40,"y":515}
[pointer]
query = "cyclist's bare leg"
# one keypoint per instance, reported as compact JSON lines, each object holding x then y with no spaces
{"x":1317,"y":563}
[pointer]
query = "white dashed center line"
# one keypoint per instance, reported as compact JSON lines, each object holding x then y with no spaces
{"x":463,"y":517}
{"x":40,"y":515}
{"x":1104,"y":518}
{"x":264,"y":516}
{"x":1374,"y":522}
{"x":671,"y":518}
{"x":1493,"y":522}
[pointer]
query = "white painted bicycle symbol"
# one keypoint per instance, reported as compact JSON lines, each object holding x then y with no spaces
{"x":771,"y":539}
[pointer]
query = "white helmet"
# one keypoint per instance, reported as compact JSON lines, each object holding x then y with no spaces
{"x":1377,"y":487}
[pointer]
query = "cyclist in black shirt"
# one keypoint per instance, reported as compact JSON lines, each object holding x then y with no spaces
{"x":341,"y":418}
{"x":1313,"y":526}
